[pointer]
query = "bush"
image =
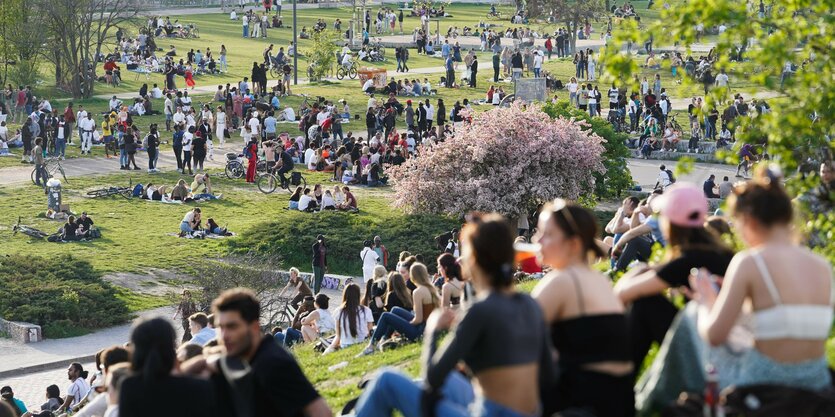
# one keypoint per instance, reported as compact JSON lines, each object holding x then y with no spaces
{"x":290,"y":239}
{"x":509,"y":160}
{"x":63,"y":294}
{"x":617,"y":176}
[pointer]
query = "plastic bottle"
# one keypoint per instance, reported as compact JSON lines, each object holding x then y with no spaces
{"x":712,"y":408}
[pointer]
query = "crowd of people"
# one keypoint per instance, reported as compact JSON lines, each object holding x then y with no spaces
{"x":575,"y":336}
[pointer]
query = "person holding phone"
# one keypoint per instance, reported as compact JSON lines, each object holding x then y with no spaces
{"x":683,"y":211}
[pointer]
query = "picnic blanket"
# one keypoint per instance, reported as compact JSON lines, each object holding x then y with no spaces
{"x":202,"y":235}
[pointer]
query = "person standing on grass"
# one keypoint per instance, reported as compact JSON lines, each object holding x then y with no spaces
{"x":152,"y":147}
{"x":496,"y":62}
{"x":69,"y":119}
{"x":37,"y":158}
{"x":320,"y":263}
{"x":473,"y":71}
{"x":185,"y":309}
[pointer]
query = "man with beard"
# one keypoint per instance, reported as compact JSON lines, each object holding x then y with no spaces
{"x":256,"y":376}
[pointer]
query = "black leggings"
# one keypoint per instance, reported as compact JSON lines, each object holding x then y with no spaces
{"x":131,"y":159}
{"x":639,"y":248}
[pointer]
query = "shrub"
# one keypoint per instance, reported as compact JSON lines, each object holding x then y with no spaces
{"x":616,"y":176}
{"x":64,"y":295}
{"x":508,"y":160}
{"x":289,"y":239}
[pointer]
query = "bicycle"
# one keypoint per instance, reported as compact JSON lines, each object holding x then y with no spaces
{"x":28,"y":230}
{"x":269,"y":181}
{"x":494,"y":15}
{"x":350,"y":72}
{"x":51,"y":167}
{"x":234,"y":166}
{"x":126,"y":192}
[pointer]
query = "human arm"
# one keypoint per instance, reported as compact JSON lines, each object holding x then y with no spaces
{"x":417,"y":305}
{"x":438,"y":363}
{"x":446,"y":295}
{"x":719,"y":309}
{"x":310,"y":318}
{"x":629,"y":235}
{"x":638,"y":283}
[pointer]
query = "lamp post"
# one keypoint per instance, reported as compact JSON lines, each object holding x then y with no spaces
{"x":295,"y":47}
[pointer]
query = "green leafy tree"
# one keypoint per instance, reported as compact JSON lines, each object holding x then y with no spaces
{"x":785,"y":47}
{"x":322,"y":53}
{"x":572,"y":13}
{"x":617,"y":177}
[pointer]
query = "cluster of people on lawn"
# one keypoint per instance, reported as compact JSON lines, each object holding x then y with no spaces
{"x":578,"y":334}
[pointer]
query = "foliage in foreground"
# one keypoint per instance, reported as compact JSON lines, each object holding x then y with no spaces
{"x":508,"y":160}
{"x":63,"y":294}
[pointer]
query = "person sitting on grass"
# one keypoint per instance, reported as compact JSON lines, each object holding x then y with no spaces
{"x":425,"y":299}
{"x":191,"y":222}
{"x":317,"y":323}
{"x":511,"y":380}
{"x":307,"y":202}
{"x":354,"y":321}
{"x":214,"y":228}
{"x":294,"y":199}
{"x":350,"y":203}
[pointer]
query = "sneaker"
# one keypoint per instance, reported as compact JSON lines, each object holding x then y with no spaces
{"x":135,"y":168}
{"x":367,"y":351}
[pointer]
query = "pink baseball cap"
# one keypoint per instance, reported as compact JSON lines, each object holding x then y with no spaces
{"x":684,"y":204}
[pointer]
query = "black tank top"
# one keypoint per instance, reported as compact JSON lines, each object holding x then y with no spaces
{"x":589,"y":339}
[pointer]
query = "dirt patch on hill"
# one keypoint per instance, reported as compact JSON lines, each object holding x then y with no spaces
{"x":154,"y":281}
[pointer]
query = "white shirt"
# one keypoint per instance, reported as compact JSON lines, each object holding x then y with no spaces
{"x":289,"y":114}
{"x":78,"y":389}
{"x":328,"y":201}
{"x":187,"y":137}
{"x":663,"y":178}
{"x":537,"y":61}
{"x":368,"y":84}
{"x":663,"y":104}
{"x":722,"y":80}
{"x":221,"y":118}
{"x":363,"y":319}
{"x":572,"y":87}
{"x":114,"y":104}
{"x":179,"y":117}
{"x":81,"y":115}
{"x":87,"y":124}
{"x":168,"y":108}
{"x":156,"y":93}
{"x":321,"y":117}
{"x":304,"y":202}
{"x":430,"y":112}
{"x":369,"y":258}
{"x":254,"y":124}
{"x":325,"y":322}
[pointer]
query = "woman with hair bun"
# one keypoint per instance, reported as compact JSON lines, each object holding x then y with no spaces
{"x":588,"y":326}
{"x":501,"y":338}
{"x":786,"y":287}
{"x":453,"y":289}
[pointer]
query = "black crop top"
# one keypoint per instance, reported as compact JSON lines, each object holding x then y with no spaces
{"x":588,"y":339}
{"x":499,"y":330}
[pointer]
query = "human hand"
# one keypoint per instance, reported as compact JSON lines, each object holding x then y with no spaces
{"x":704,"y":288}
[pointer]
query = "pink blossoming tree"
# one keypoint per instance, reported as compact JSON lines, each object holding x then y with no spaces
{"x":508,"y":160}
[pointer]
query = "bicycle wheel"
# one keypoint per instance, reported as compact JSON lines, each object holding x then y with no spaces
{"x":275,"y":72}
{"x":267,"y":183}
{"x":234,"y":170}
{"x":352,"y":73}
{"x":302,"y":183}
{"x":340,"y":74}
{"x":97,"y":193}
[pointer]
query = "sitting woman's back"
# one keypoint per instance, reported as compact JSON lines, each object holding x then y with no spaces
{"x":788,"y":287}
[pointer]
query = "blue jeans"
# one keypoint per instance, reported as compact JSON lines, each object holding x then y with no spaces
{"x":708,"y":129}
{"x":398,"y":320}
{"x":536,"y":72}
{"x":391,"y":390}
{"x":205,"y":196}
{"x":289,"y":338}
{"x":60,"y":147}
{"x":185,"y":227}
{"x":246,"y":31}
{"x":123,"y":157}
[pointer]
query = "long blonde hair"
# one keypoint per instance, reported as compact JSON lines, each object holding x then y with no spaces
{"x":419,"y":275}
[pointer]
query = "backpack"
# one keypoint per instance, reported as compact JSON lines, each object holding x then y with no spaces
{"x":145,"y":141}
{"x":247,"y":153}
{"x":137,"y":190}
{"x":672,"y":177}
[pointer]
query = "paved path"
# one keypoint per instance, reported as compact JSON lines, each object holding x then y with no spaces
{"x":16,"y":355}
{"x":645,"y":172}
